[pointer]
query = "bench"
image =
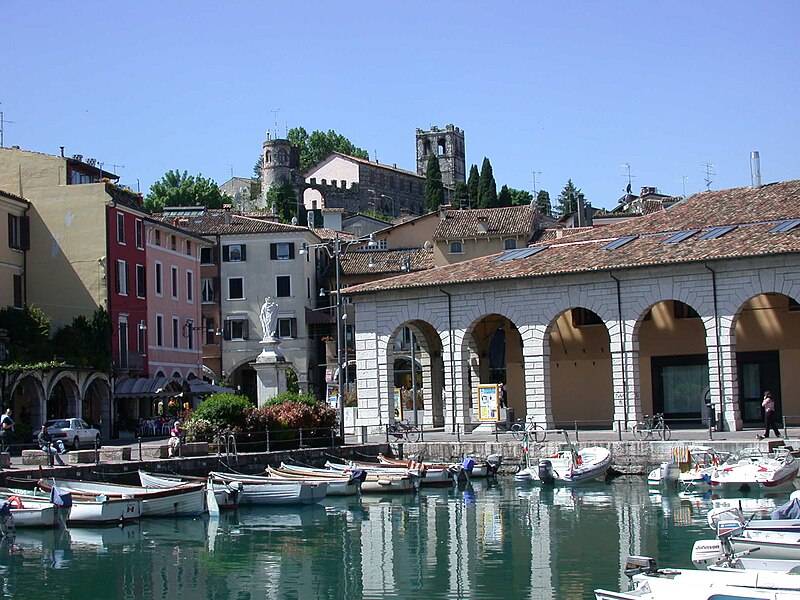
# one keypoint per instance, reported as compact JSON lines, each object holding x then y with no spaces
{"x":193,"y":449}
{"x":155,"y":451}
{"x":34,"y":457}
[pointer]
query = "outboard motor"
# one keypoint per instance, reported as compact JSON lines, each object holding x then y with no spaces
{"x":494,"y":461}
{"x":546,"y":472}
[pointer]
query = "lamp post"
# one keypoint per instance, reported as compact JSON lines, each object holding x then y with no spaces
{"x":335,"y":249}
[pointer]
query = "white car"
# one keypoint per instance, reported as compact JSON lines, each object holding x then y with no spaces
{"x":73,"y":432}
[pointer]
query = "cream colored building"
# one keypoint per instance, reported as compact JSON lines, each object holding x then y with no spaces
{"x":14,"y":242}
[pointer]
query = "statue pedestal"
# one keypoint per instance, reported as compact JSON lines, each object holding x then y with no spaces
{"x":270,"y":367}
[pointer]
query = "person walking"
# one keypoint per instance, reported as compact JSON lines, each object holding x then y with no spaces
{"x":503,"y":393}
{"x":6,"y":430}
{"x":768,"y":404}
{"x":46,"y":444}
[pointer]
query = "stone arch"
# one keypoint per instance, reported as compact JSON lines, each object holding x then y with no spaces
{"x":764,"y":336}
{"x":579,"y":361}
{"x":96,"y":403}
{"x":415,"y":368}
{"x":671,"y":339}
{"x":242,"y":378}
{"x":63,"y":396}
{"x":26,"y":392}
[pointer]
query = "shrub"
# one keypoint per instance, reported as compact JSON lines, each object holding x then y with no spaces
{"x":292,"y":398}
{"x":223,"y":410}
{"x":198,"y":430}
{"x":291,"y":415}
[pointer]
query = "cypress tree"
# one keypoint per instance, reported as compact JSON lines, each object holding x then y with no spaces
{"x":434,"y":188}
{"x":472,"y":186}
{"x":504,"y":197}
{"x":543,"y":204}
{"x":568,"y":199}
{"x":487,"y":187}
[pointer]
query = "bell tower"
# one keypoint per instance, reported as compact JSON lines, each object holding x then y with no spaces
{"x":448,"y":146}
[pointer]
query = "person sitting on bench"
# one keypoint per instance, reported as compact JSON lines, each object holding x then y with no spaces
{"x":47,"y":445}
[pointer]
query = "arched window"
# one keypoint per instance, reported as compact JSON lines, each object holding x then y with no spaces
{"x":268,"y":157}
{"x":442,"y":146}
{"x":426,"y":147}
{"x":456,"y":248}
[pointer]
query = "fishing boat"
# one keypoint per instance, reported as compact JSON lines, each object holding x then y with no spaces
{"x":257,"y":489}
{"x":372,"y":483}
{"x":345,"y":485}
{"x":650,"y":583}
{"x":184,"y":501}
{"x":754,"y":469}
{"x":82,"y":511}
{"x":227,"y":494}
{"x":568,"y":466}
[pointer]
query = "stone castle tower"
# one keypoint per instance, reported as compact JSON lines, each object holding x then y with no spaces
{"x":448,"y":144}
{"x":279,"y":163}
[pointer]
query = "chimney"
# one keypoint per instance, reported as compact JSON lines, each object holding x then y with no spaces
{"x":581,"y":211}
{"x":62,"y":151}
{"x":755,"y":169}
{"x":226,"y":211}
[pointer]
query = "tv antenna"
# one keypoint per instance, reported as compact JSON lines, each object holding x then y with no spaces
{"x":535,"y":173}
{"x":275,"y":112}
{"x":629,"y":177}
{"x":3,"y":122}
{"x":707,"y":168}
{"x":112,"y":165}
{"x":684,"y":178}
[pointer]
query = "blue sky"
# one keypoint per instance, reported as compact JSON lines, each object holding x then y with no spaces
{"x":567,"y":89}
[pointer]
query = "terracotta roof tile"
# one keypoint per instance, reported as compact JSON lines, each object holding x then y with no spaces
{"x":512,"y":220}
{"x":386,"y":261}
{"x":755,"y":211}
{"x":212,"y":222}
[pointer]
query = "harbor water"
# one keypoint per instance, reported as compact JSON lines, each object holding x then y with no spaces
{"x":493,"y":539}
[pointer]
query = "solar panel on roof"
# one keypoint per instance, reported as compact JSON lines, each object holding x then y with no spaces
{"x":618,"y":243}
{"x":785,"y":226}
{"x":519,"y":253}
{"x":716,"y":232}
{"x":680,"y":236}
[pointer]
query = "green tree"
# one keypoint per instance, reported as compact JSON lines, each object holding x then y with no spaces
{"x":317,"y":145}
{"x":520,"y":197}
{"x":181,"y":189}
{"x":487,"y":187}
{"x":568,"y":199}
{"x":504,"y":197}
{"x":460,"y":195}
{"x":85,"y":342}
{"x":543,"y":204}
{"x":282,"y":200}
{"x":255,"y":181}
{"x":28,"y":333}
{"x":472,"y":186}
{"x":434,"y":188}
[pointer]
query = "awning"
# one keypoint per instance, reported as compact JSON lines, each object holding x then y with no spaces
{"x":316,"y":317}
{"x":198,"y":386}
{"x":148,"y":387}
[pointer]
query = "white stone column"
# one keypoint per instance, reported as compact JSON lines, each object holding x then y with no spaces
{"x":536,"y":358}
{"x":625,"y":375}
{"x":456,"y":381}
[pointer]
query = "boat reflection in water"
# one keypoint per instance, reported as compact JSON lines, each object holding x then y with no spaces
{"x":488,"y":539}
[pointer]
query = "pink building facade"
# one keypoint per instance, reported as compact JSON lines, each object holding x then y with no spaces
{"x":174,"y":320}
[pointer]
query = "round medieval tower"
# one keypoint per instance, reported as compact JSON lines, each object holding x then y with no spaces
{"x":279,"y":162}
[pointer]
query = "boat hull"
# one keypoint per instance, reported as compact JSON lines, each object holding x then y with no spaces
{"x":257,"y":490}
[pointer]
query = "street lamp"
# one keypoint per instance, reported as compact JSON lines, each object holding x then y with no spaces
{"x":335,"y":249}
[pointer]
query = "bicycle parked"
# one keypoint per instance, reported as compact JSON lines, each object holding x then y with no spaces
{"x":529,"y":428}
{"x":650,"y":426}
{"x":403,"y":429}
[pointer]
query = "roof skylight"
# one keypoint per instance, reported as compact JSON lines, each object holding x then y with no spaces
{"x":680,"y":236}
{"x":618,"y":243}
{"x":716,"y":232}
{"x":785,"y":226}
{"x":519,"y":253}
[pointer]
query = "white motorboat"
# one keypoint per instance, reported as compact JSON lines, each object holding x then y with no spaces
{"x":381,"y":481}
{"x":227,"y":495}
{"x":257,"y":489}
{"x":337,"y":485}
{"x":568,"y":466}
{"x":756,"y":470}
{"x":688,"y":467}
{"x":651,"y":583}
{"x":185,"y":501}
{"x":29,"y":512}
{"x":718,"y":555}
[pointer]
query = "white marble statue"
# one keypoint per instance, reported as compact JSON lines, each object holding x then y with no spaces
{"x":269,"y":318}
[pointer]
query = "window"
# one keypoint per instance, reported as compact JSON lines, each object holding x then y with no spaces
{"x":284,"y":286}
{"x":456,"y":248}
{"x":159,"y":330}
{"x":120,"y":228}
{"x":173,"y":242}
{"x":159,"y":280}
{"x":189,"y":286}
{"x":235,"y":288}
{"x":141,"y":338}
{"x":234,"y":253}
{"x":188,"y":247}
{"x":122,"y":330}
{"x":206,"y":256}
{"x":139,"y":234}
{"x":176,"y":333}
{"x":281,"y":251}
{"x":510,"y":244}
{"x":157,"y":237}
{"x":18,"y":233}
{"x":190,"y":334}
{"x":18,"y":291}
{"x":140,"y":281}
{"x":236,"y":328}
{"x":121,"y":278}
{"x":174,"y":282}
{"x":287,"y":327}
{"x":383,"y":244}
{"x":207,"y":289}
